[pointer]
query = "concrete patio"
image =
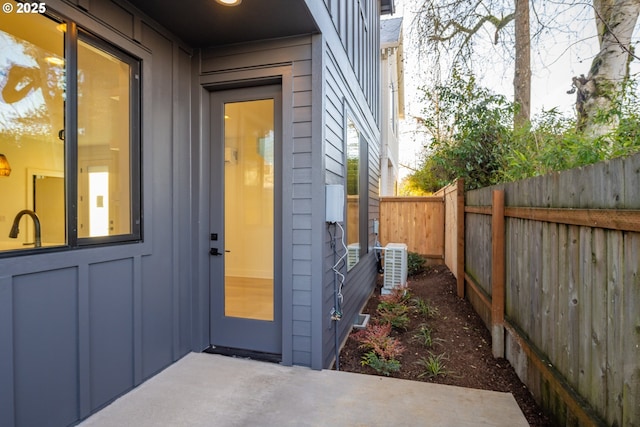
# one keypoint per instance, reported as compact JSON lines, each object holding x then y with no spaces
{"x":213,"y":390}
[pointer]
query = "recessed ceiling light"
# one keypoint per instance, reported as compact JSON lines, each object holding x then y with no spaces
{"x":229,"y":2}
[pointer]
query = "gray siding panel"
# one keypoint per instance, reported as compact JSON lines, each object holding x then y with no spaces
{"x":302,"y":283}
{"x":282,"y":51}
{"x":157,"y":291}
{"x":110,"y":330}
{"x":301,"y":113}
{"x":249,"y":61}
{"x":45,"y":307}
{"x":356,"y":24}
{"x":342,"y":99}
{"x":89,"y":324}
{"x":157,"y":325}
{"x":120,"y":19}
{"x":302,"y":145}
{"x":6,"y":352}
{"x":182,"y":225}
{"x":302,"y":99}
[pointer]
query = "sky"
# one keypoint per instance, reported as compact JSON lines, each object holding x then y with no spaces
{"x":558,"y":56}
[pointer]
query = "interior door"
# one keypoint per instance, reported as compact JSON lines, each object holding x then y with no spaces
{"x":246,"y":302}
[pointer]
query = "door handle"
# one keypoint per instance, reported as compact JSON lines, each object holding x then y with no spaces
{"x":214,"y":251}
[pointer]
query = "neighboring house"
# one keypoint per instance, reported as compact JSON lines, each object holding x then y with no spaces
{"x":166,"y":163}
{"x":392,"y":97}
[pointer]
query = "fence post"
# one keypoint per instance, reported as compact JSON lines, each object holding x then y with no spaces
{"x":497,"y":273}
{"x":460,"y":232}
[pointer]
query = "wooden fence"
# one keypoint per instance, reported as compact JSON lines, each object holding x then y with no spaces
{"x":552,"y":265}
{"x":416,"y":221}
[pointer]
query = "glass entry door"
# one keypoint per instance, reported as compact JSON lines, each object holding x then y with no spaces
{"x":245,"y":291}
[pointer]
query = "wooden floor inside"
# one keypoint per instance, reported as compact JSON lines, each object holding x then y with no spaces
{"x":249,"y":298}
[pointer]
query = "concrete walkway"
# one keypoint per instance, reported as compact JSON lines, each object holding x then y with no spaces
{"x":213,"y":390}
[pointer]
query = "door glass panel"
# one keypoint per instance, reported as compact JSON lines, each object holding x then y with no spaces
{"x":249,"y":209}
{"x":104,"y":143}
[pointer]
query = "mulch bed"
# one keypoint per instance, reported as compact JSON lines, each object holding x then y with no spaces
{"x":460,"y":338}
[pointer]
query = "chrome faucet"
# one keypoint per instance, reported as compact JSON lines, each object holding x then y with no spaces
{"x":15,"y":230}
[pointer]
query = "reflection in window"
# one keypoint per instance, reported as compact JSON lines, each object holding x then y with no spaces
{"x":32,"y":92}
{"x":35,"y":81}
{"x":104,"y":129}
{"x":353,"y":194}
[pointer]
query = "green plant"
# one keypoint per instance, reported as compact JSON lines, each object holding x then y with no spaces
{"x":380,"y":364}
{"x":424,"y":307}
{"x":470,"y":128}
{"x":415,"y":263}
{"x":433,"y":365}
{"x":424,"y":335}
{"x":396,"y":315}
{"x":383,"y":349}
{"x":398,"y":295}
{"x":393,"y":308}
{"x":377,"y":338}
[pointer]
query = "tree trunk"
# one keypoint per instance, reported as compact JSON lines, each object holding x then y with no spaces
{"x":598,"y":92}
{"x":522,"y":73}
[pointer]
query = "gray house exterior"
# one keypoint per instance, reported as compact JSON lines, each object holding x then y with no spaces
{"x":87,"y":315}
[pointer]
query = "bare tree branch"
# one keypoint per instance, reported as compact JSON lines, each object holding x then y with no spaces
{"x":458,"y":28}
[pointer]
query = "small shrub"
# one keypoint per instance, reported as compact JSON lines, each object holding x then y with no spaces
{"x":380,"y":364}
{"x":397,"y":315}
{"x":425,"y":308}
{"x":433,"y":365}
{"x":393,"y":308}
{"x":383,"y":349}
{"x":398,"y":295}
{"x":415,"y":263}
{"x":424,"y":336}
{"x":377,"y":339}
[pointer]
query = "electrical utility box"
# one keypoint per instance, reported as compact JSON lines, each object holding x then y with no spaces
{"x":334,"y":203}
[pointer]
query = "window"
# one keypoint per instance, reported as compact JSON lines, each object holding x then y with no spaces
{"x":356,"y":189}
{"x":69,"y":137}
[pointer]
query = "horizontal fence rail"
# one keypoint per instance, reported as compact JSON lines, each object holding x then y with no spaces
{"x":552,"y":265}
{"x":568,"y":247}
{"x":613,"y":219}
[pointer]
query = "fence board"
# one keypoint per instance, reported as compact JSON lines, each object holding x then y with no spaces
{"x":535,"y":273}
{"x":584,"y":289}
{"x":547,"y":344}
{"x":598,"y":366}
{"x":632,"y":182}
{"x":573,"y":315}
{"x":572,"y":284}
{"x":631,"y":331}
{"x":450,"y":195}
{"x":562,"y":325}
{"x":615,"y":339}
{"x":416,"y":221}
{"x":522,"y":278}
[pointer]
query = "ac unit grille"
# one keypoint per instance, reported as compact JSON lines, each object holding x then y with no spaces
{"x":353,"y":255}
{"x":395,"y":267}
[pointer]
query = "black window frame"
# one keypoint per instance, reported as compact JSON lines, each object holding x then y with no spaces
{"x":363,"y":185}
{"x":135,"y":143}
{"x":74,"y":33}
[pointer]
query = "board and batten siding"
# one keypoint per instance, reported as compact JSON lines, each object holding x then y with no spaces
{"x":79,"y":328}
{"x":356,"y":22}
{"x":258,"y":61}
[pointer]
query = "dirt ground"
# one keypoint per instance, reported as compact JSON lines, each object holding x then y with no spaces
{"x":459,"y":339}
